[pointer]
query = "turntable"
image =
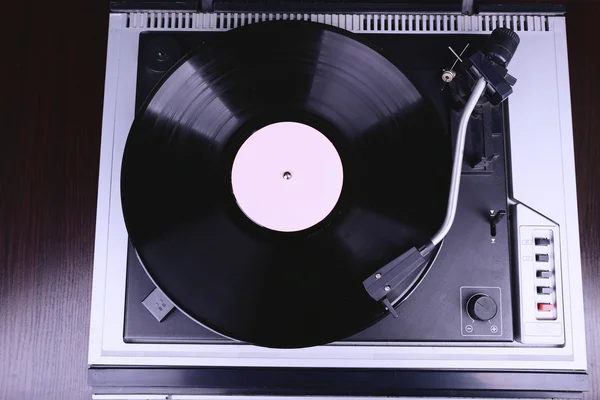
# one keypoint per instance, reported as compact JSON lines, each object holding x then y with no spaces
{"x":336,"y":199}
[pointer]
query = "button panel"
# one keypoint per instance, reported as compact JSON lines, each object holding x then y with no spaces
{"x":539,"y":287}
{"x":544,"y":269}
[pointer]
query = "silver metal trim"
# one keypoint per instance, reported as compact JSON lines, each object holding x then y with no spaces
{"x":467,"y":7}
{"x":106,"y":330}
{"x":375,"y":23}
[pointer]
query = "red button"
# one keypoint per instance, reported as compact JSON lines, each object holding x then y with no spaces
{"x":545,"y":307}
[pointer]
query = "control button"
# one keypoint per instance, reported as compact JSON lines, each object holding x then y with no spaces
{"x":542,"y":257}
{"x":158,"y":304}
{"x":481,"y":307}
{"x":545,"y":307}
{"x":542,"y":241}
{"x":494,"y":329}
{"x":544,"y":274}
{"x":469,"y":328}
{"x":544,"y":290}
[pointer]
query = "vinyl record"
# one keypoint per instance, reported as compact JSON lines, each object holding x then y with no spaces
{"x":272,"y":171}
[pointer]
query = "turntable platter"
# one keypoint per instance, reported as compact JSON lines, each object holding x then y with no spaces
{"x":275,"y":168}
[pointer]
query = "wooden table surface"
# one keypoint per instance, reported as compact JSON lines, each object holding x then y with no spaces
{"x":53,"y":61}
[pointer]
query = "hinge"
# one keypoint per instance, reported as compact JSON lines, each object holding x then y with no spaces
{"x":468,"y":7}
{"x":206,"y":6}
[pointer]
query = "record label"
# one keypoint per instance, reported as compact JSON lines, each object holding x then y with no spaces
{"x":287,"y":177}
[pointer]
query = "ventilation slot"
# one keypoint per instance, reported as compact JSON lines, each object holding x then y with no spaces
{"x":368,"y":23}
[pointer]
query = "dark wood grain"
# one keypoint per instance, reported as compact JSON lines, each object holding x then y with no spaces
{"x":583,"y":21}
{"x":52,"y":59}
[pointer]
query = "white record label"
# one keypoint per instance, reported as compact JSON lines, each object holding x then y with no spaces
{"x":287,"y":177}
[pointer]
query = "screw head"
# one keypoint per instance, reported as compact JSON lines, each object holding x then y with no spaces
{"x":448,"y":76}
{"x":377,"y":275}
{"x":387,"y":288}
{"x":287,"y":175}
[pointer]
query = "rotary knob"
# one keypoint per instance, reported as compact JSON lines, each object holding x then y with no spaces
{"x":482,"y":307}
